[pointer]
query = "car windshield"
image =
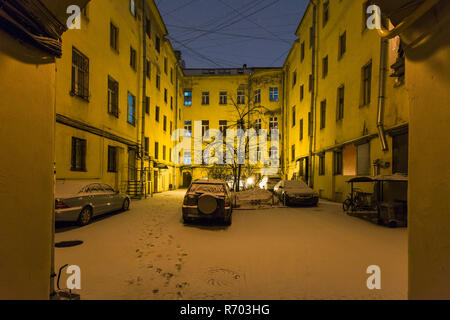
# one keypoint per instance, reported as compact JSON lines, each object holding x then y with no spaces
{"x":296,"y":185}
{"x":210,"y":188}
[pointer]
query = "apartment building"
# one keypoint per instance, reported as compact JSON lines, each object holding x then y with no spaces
{"x":116,"y":98}
{"x":229,"y":99}
{"x":345,"y":114}
{"x":122,"y":91}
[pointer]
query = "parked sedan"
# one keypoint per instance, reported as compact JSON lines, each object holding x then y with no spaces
{"x":292,"y":192}
{"x":81,"y":201}
{"x":208,"y":199}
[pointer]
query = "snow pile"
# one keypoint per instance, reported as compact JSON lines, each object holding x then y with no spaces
{"x":254,"y":198}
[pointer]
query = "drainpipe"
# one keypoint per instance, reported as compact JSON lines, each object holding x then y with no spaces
{"x":313,"y":98}
{"x":381,"y":95}
{"x":144,"y":95}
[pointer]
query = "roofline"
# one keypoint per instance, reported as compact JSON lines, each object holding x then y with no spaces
{"x":154,"y":8}
{"x":297,"y":31}
{"x":294,"y":45}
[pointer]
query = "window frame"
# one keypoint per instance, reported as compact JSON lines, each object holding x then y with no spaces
{"x":82,"y":144}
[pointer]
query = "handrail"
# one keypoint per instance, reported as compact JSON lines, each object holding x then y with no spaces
{"x":408,"y":21}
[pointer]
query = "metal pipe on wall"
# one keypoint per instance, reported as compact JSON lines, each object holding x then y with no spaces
{"x":381,"y":96}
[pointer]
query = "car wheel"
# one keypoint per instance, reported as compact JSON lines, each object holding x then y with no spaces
{"x":228,"y":220}
{"x":285,"y":200}
{"x":126,"y":205}
{"x":346,"y":205}
{"x":85,"y":216}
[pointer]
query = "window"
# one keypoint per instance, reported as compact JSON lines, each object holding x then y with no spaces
{"x":158,"y":82}
{"x":157,"y":114}
{"x":293,"y":153}
{"x":323,"y":114}
{"x":258,"y":125}
{"x":363,"y":159}
{"x":78,"y":154}
{"x":293,"y":116}
{"x":147,"y":105}
{"x":114,"y":37}
{"x":165,"y":65}
{"x":258,"y":96}
{"x":133,"y":58}
{"x":301,"y":129}
{"x":326,"y":12}
{"x":188,"y":98}
{"x":294,"y":78}
{"x":171,"y":127}
{"x":223,"y":97}
{"x":187,"y":158}
{"x":273,"y":123}
{"x":273,"y":94}
{"x":400,"y":153}
{"x":157,"y":44}
{"x":338,"y":163}
{"x":148,"y":28}
{"x":165,"y":123}
{"x":240,"y":97}
{"x":171,"y":75}
{"x":112,"y":159}
{"x":113,"y":97}
{"x":205,"y":98}
{"x":366,"y":83}
{"x":322,"y":164}
{"x":80,"y":75}
{"x":170,"y":154}
{"x":165,"y":96}
{"x":164,"y":152}
{"x":131,"y":119}
{"x":148,"y":69}
{"x":171,"y":103}
{"x":133,"y":8}
{"x":302,"y":92}
{"x":325,"y":67}
{"x":223,"y":126}
{"x":342,"y":44}
{"x":146,"y":146}
{"x":302,"y":51}
{"x":310,"y":84}
{"x":205,"y":128}
{"x":156,"y":150}
{"x":340,"y":103}
{"x":311,"y":36}
{"x":188,"y":128}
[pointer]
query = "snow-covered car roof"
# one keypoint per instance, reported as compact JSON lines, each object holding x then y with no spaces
{"x":209,"y":181}
{"x":67,"y":188}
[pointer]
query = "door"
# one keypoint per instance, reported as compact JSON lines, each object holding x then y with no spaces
{"x":98,"y":198}
{"x":114,"y":202}
{"x":187,"y":179}
{"x":132,"y":173}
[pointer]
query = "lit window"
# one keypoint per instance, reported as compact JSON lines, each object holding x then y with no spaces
{"x":273,"y":94}
{"x":188,"y":98}
{"x":131,"y":109}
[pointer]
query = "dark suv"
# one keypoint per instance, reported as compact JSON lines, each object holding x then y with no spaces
{"x":208,"y":199}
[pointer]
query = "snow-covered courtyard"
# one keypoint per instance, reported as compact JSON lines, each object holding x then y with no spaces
{"x":279,"y":253}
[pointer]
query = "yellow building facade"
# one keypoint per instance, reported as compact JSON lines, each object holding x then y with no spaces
{"x":221,"y":99}
{"x":335,"y":112}
{"x":122,"y":91}
{"x":116,"y":99}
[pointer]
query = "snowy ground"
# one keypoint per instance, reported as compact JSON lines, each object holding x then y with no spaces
{"x":282,"y":253}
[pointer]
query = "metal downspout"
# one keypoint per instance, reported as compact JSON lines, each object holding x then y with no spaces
{"x":381,"y":96}
{"x":144,"y":95}
{"x":311,"y":121}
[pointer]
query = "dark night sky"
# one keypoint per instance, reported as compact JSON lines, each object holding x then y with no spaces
{"x":230,"y":33}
